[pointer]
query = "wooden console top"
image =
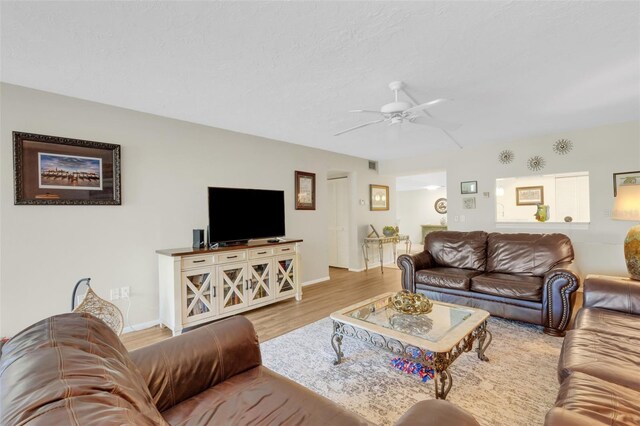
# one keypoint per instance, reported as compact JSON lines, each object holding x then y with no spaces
{"x":188,"y":251}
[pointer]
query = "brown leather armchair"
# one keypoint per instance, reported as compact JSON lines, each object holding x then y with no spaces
{"x":526,"y":277}
{"x":73,"y":369}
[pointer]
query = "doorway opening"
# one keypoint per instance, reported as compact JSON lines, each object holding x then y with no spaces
{"x":421,"y":208}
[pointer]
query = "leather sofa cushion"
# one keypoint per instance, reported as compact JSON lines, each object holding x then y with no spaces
{"x":607,"y":321}
{"x":614,"y":359}
{"x":530,"y":254}
{"x":446,"y":277}
{"x":510,"y":286}
{"x":69,"y":367}
{"x":466,"y":250}
{"x":596,"y":400}
{"x":259,"y":396}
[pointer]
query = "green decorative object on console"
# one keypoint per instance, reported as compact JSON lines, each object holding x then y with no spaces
{"x":390,"y":231}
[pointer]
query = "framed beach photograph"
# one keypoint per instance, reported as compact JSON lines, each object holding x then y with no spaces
{"x":379,"y":197}
{"x":470,"y":187}
{"x":626,"y":178}
{"x":63,"y":171}
{"x":305,"y":191}
{"x":529,"y":195}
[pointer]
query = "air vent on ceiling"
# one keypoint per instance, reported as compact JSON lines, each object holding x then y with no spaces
{"x":373,"y":165}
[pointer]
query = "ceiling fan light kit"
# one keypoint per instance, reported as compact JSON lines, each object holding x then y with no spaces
{"x":398,"y":112}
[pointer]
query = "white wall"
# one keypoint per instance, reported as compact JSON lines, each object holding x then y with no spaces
{"x":601,"y":151}
{"x":167,"y":166}
{"x":416,"y":208}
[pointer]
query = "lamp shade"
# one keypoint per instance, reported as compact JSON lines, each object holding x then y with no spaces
{"x":627,"y":203}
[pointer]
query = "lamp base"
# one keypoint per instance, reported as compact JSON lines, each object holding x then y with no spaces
{"x":632,"y":252}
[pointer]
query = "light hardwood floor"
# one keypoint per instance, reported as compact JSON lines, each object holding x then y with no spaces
{"x":318,"y":301}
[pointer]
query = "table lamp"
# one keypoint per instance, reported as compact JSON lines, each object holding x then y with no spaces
{"x":627,"y":207}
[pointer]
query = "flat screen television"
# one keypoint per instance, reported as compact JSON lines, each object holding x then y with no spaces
{"x":238,"y":214}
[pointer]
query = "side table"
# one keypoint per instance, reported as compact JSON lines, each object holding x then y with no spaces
{"x":381,"y":241}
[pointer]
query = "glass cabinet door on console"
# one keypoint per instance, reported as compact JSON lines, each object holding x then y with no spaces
{"x":260,"y":281}
{"x":233,"y":282}
{"x":285,"y":275}
{"x":198,"y":294}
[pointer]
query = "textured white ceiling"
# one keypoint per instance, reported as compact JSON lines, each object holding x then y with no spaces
{"x":291,"y":70}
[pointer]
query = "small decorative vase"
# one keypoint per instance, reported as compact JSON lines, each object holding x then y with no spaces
{"x":542,"y":214}
{"x":388,"y":233}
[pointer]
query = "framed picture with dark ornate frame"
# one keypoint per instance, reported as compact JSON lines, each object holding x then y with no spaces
{"x":379,"y":197}
{"x":470,"y":187}
{"x":626,"y":178}
{"x":529,"y":195}
{"x":63,"y":171}
{"x":305,"y":191}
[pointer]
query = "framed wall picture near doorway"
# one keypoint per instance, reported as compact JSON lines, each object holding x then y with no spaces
{"x":305,"y":191}
{"x":379,"y":197}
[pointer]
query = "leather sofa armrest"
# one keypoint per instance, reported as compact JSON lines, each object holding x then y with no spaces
{"x":436,"y":412}
{"x":183,"y":366}
{"x":409,"y":264}
{"x":559,"y":284}
{"x":614,"y":293}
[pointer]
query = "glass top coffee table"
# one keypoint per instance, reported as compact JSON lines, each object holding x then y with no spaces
{"x":435,"y":339}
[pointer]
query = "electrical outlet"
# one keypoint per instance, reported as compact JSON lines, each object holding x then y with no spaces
{"x":124,"y":292}
{"x":115,"y":293}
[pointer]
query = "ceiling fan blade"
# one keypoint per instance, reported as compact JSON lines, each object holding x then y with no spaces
{"x":359,"y":126}
{"x":425,"y":105}
{"x":368,"y":111}
{"x":449,"y":135}
{"x":434,"y":122}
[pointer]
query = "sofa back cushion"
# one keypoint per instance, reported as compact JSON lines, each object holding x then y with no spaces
{"x":527,"y":254}
{"x":72,"y":369}
{"x":467,"y":250}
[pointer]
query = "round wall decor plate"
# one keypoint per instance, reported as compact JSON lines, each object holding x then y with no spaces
{"x":441,"y":205}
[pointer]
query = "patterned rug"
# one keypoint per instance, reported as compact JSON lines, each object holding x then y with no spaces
{"x":516,"y":387}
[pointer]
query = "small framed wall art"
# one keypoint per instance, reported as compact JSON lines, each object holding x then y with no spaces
{"x":305,"y":191}
{"x":379,"y":197}
{"x":470,"y":187}
{"x":469,"y":203}
{"x":626,"y":178}
{"x":63,"y":171}
{"x":529,"y":195}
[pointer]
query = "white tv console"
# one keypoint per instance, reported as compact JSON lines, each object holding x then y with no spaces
{"x":202,"y":285}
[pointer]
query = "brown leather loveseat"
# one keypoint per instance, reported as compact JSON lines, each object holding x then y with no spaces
{"x":71,"y":369}
{"x":526,"y":277}
{"x":599,"y":366}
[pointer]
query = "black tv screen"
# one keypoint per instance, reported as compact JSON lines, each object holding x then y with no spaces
{"x":237,"y":214}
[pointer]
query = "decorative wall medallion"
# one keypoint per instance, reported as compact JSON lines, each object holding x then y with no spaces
{"x":506,"y":156}
{"x":562,"y":146}
{"x":441,"y":205}
{"x":535,"y":163}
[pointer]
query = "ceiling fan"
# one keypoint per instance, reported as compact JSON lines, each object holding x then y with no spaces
{"x":398,"y":112}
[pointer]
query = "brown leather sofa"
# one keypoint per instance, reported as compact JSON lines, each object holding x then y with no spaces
{"x":599,"y":366}
{"x":526,"y":277}
{"x":72,"y":369}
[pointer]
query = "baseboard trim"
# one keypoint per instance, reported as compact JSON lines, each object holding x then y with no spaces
{"x":140,"y":326}
{"x":371,"y":266}
{"x":319,"y":280}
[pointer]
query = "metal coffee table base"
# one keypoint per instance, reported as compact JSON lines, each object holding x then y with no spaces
{"x":439,"y":361}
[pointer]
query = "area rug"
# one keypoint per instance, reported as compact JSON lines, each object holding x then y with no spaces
{"x":516,"y":387}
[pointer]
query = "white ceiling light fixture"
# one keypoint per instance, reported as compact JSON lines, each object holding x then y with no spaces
{"x":432,"y":187}
{"x":398,"y":112}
